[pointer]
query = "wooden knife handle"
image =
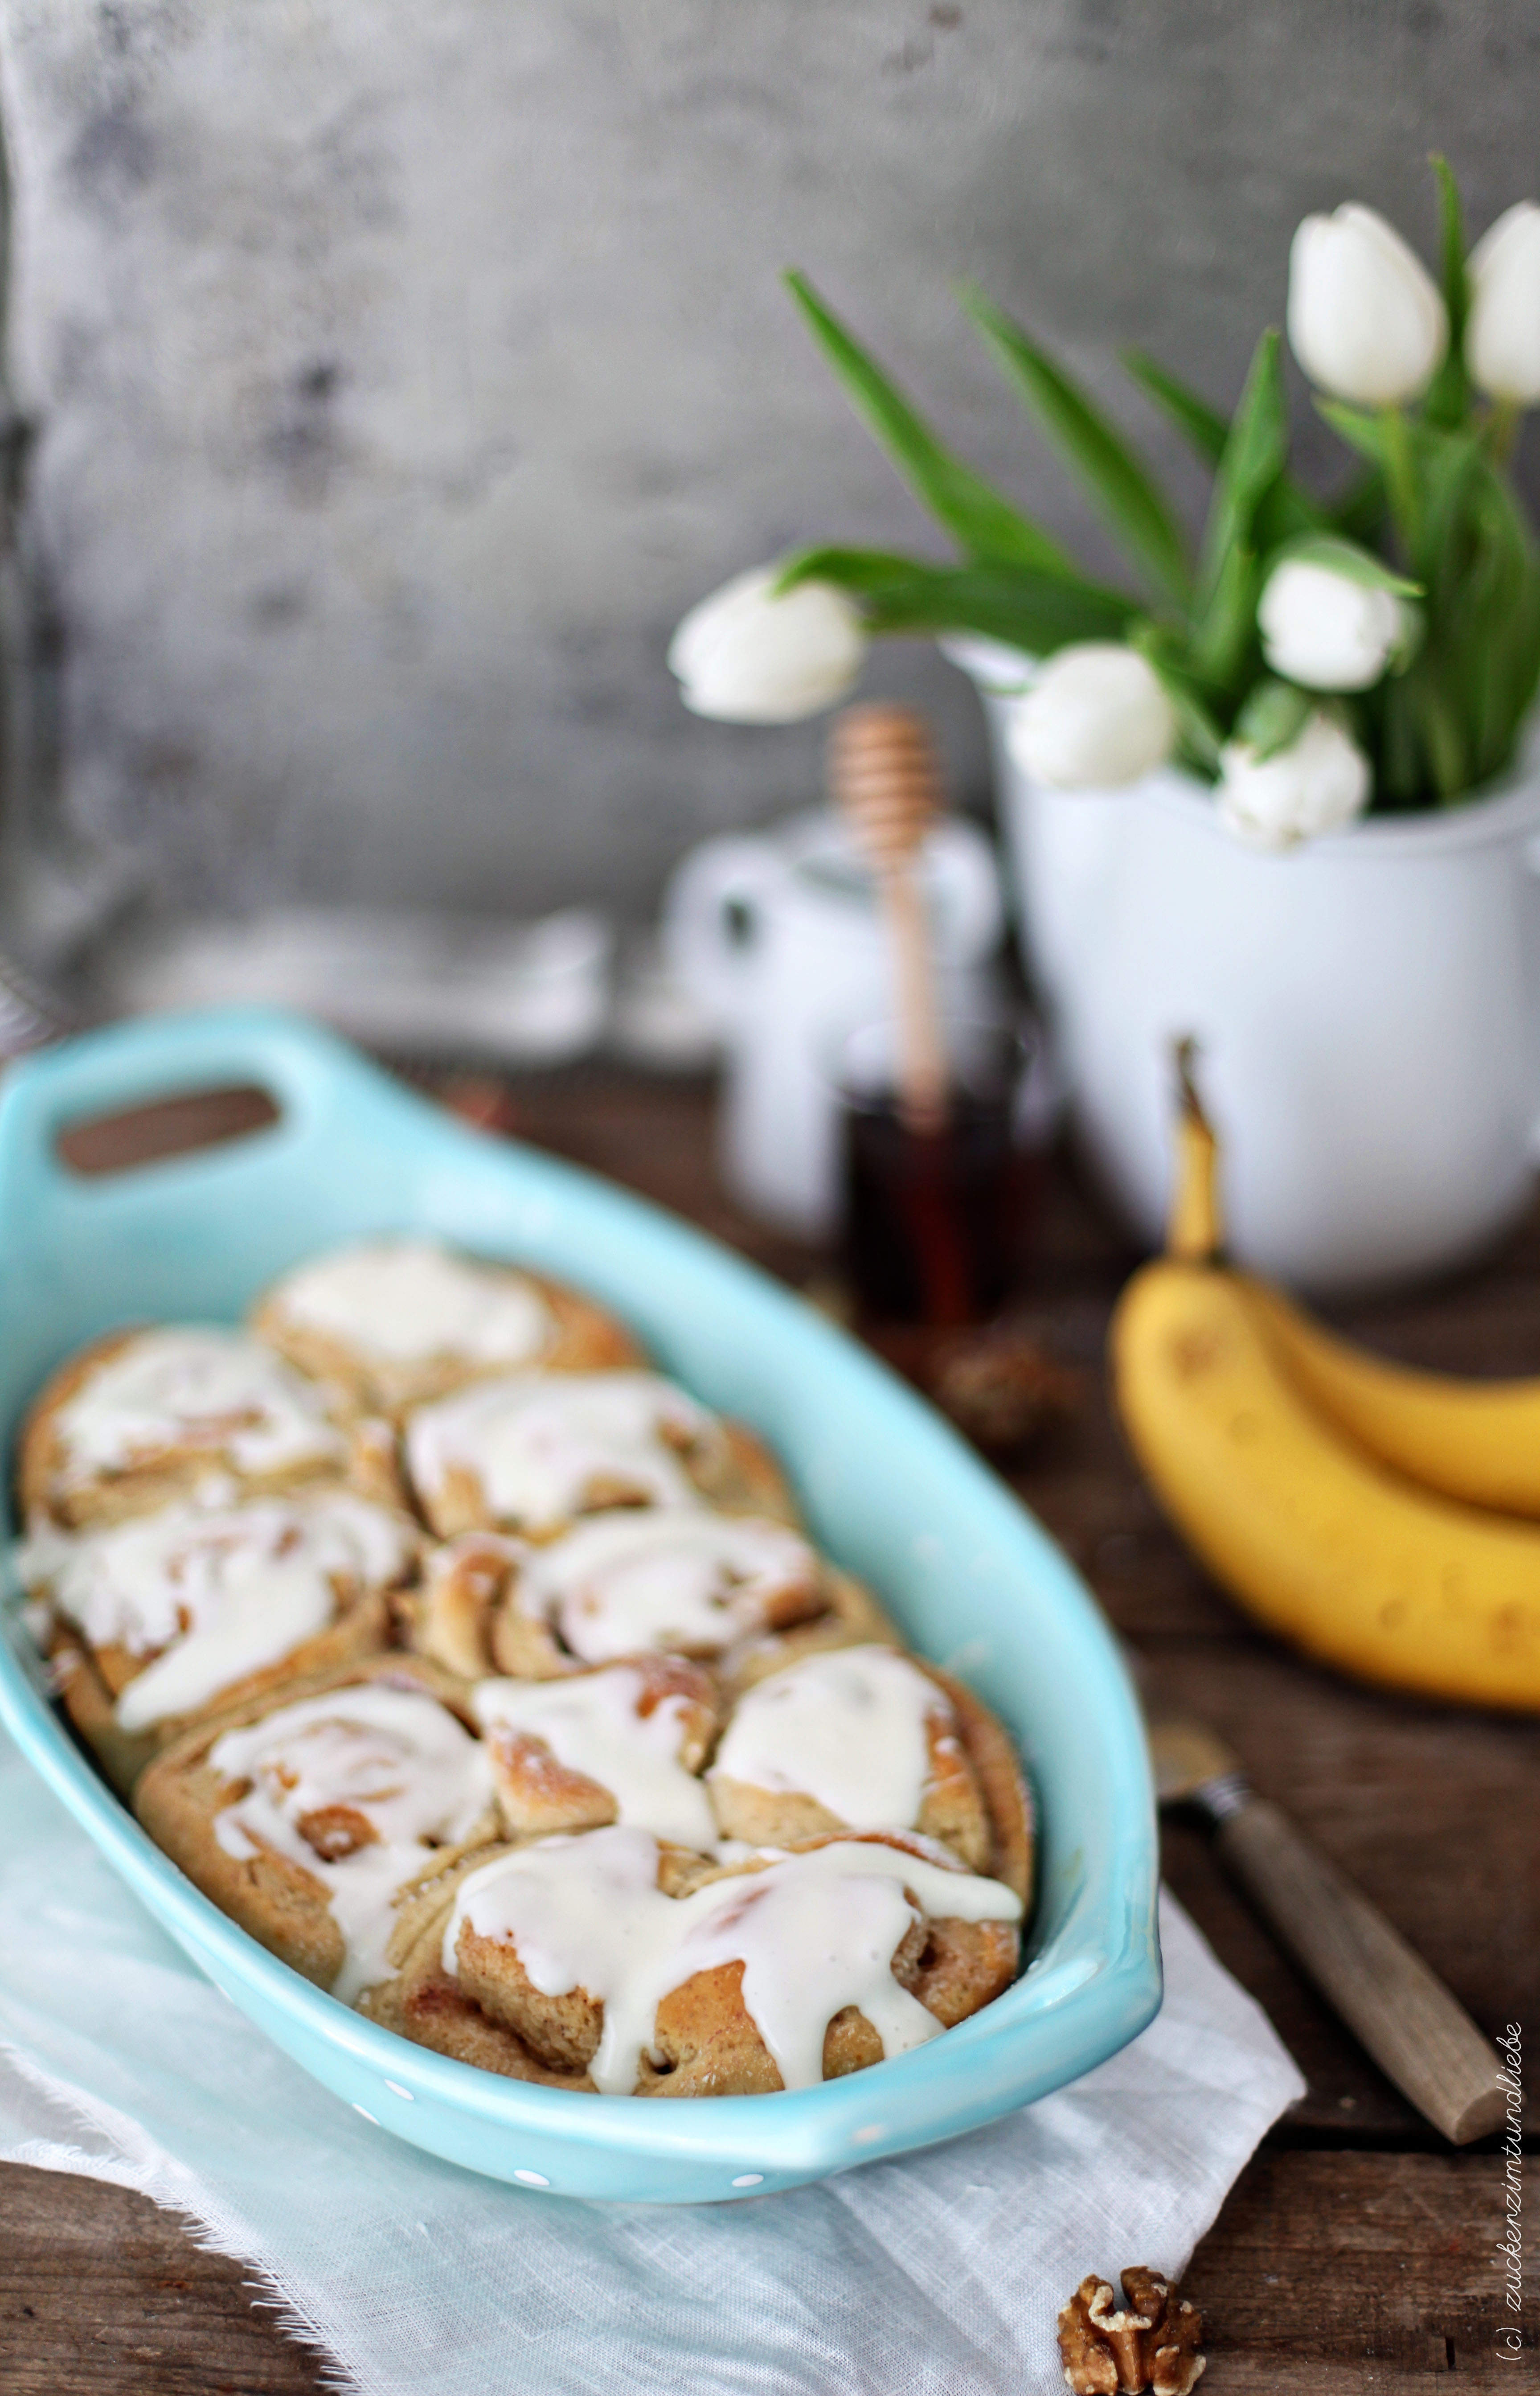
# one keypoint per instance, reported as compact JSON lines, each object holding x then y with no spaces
{"x":1416,"y":2031}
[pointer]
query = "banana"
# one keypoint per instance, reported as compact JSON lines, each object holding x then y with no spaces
{"x":1478,"y":1441}
{"x":1320,"y":1543}
{"x":1325,"y":1545}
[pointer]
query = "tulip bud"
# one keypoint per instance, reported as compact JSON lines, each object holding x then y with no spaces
{"x":1502,"y":341}
{"x":1366,"y":321}
{"x":1096,"y":717}
{"x":1328,"y":631}
{"x":1319,"y":783}
{"x":749,"y":655}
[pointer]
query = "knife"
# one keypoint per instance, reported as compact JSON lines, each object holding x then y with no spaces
{"x":1419,"y":2033}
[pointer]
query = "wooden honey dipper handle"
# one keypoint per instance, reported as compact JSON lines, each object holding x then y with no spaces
{"x":886,"y":778}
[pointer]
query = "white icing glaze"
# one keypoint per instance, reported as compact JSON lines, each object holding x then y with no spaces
{"x":814,"y":1932}
{"x":407,"y":1300}
{"x":848,"y":1729}
{"x":537,"y":1441}
{"x":194,"y":1386}
{"x":677,"y":1578}
{"x":212,"y":1593}
{"x":395,"y":1756}
{"x":592,"y":1724}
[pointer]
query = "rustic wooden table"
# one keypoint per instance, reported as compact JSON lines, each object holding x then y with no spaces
{"x":1356,"y":2251}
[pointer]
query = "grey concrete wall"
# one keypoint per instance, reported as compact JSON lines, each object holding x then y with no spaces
{"x":400,"y":372}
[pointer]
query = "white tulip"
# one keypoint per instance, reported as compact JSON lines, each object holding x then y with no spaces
{"x":1502,"y":341}
{"x":1096,"y":718}
{"x":747,"y":656}
{"x":1319,"y":783}
{"x":1326,"y":630}
{"x":1365,"y":318}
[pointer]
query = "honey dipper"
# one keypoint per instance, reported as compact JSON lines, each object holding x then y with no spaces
{"x":886,"y":778}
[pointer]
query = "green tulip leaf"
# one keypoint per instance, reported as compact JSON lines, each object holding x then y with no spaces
{"x":1203,"y":428}
{"x":1117,"y":482}
{"x":1285,"y":512}
{"x":1360,"y":513}
{"x":1361,"y":430}
{"x":1272,"y":717}
{"x":1414,"y":632}
{"x":1400,"y":771}
{"x":1224,"y":637}
{"x":1030,"y":610}
{"x":1201,"y":734}
{"x":1448,"y":398}
{"x":984,"y":524}
{"x":1250,"y":469}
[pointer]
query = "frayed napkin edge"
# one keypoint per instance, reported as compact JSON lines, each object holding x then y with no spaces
{"x":211,"y":2227}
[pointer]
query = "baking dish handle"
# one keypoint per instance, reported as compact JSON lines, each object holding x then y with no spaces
{"x":310,"y":1076}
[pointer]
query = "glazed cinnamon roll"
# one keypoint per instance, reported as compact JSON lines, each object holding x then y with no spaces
{"x":531,"y":1452}
{"x":307,"y":1821}
{"x":625,"y":1742}
{"x":864,"y":1739}
{"x":157,"y":1620}
{"x":398,"y":1322}
{"x":737,"y":1591}
{"x":141,"y":1417}
{"x":606,"y":1961}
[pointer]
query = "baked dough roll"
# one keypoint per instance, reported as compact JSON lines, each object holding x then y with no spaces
{"x":736,"y":1591}
{"x":159,"y":1619}
{"x":142,"y":1417}
{"x":863,"y":1738}
{"x":396,"y":1322}
{"x":605,"y":1961}
{"x":626,"y":1742}
{"x":306,"y":1821}
{"x":530,"y":1452}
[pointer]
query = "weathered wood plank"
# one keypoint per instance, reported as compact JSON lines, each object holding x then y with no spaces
{"x":103,"y":2294}
{"x":1340,"y":2273}
{"x":1431,"y":1812}
{"x":1359,"y":2271}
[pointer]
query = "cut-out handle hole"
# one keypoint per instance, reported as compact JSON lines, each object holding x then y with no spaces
{"x":178,"y":1127}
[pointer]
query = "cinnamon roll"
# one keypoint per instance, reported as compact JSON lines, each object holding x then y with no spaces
{"x":531,"y":1452}
{"x":398,"y":1322}
{"x":864,"y":1739}
{"x":737,"y":1591}
{"x":141,"y":1417}
{"x":625,"y":1742}
{"x":155,"y":1620}
{"x":307,"y":1821}
{"x":608,"y":1962}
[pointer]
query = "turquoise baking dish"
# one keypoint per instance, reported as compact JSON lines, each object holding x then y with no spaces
{"x":889,"y":1490}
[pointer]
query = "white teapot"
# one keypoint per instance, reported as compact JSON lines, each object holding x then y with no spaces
{"x":777,"y":936}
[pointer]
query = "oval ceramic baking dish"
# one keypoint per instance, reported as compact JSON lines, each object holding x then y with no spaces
{"x":889,"y":1490}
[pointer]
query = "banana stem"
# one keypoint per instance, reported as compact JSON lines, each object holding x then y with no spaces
{"x":1195,"y":1230}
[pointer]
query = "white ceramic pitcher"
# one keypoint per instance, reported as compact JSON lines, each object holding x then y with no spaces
{"x":1367,"y":1006}
{"x":778,"y":939}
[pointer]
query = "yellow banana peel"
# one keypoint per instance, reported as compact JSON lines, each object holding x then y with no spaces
{"x":1478,"y":1441}
{"x":1264,"y":1439}
{"x":1317,"y":1541}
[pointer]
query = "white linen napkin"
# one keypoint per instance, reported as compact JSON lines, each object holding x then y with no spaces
{"x":937,"y":2275}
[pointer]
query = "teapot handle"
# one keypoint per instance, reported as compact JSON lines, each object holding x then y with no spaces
{"x":714,"y":913}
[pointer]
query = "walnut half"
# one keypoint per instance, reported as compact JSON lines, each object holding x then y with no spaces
{"x":1151,"y":2346}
